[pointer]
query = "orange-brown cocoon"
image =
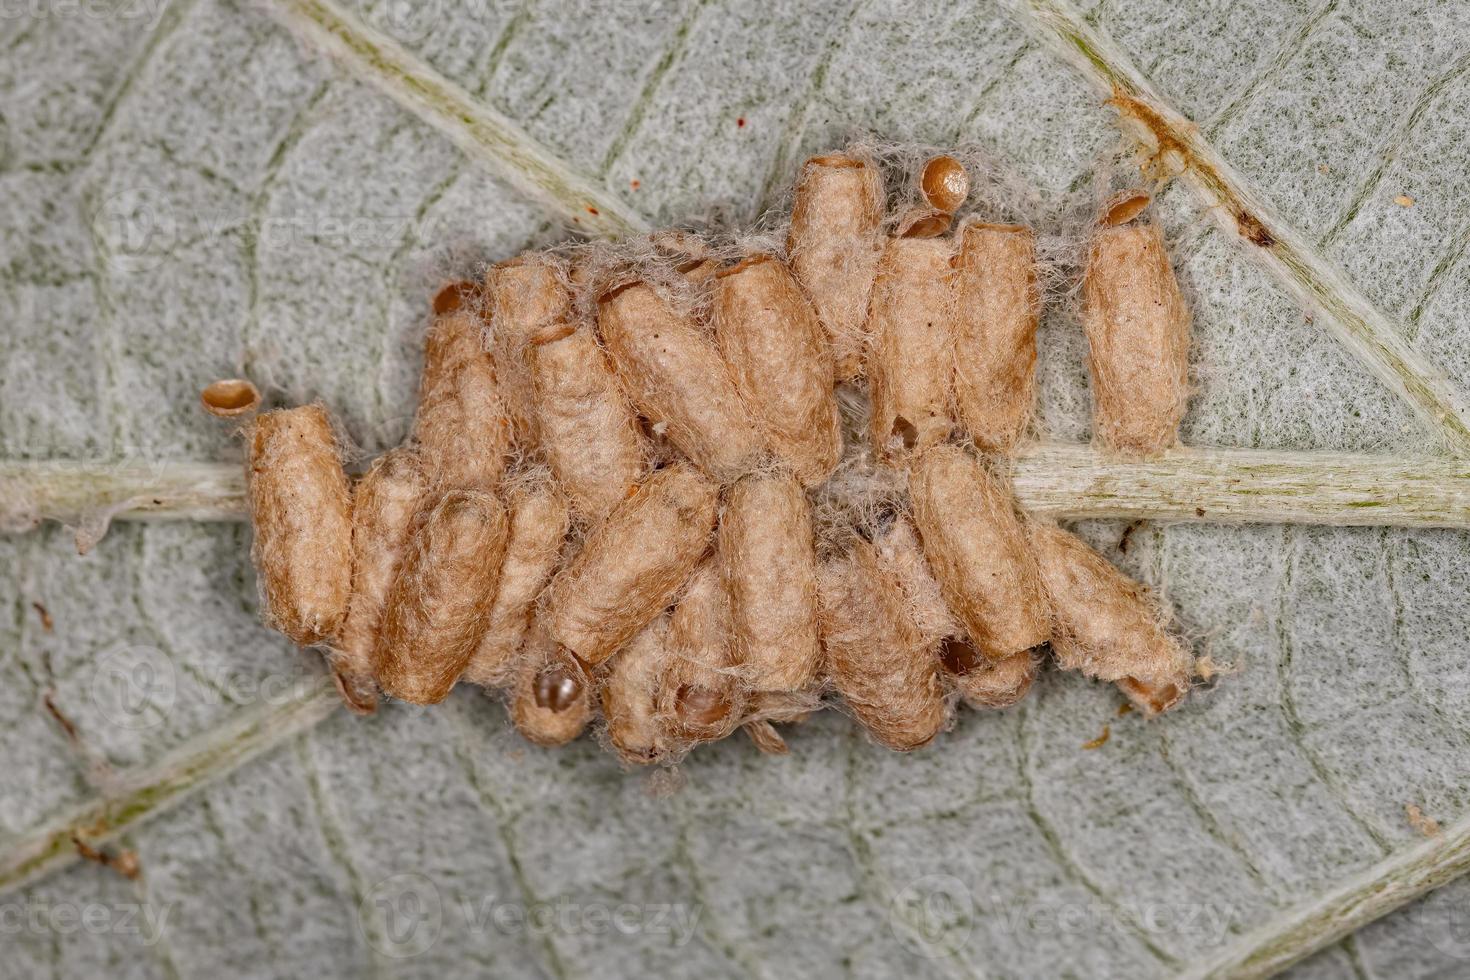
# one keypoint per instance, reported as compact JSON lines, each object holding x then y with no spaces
{"x":300,"y":505}
{"x":629,"y":689}
{"x":551,"y":695}
{"x":997,"y":305}
{"x":524,"y":296}
{"x":1138,"y":340}
{"x":383,"y":505}
{"x":782,"y":365}
{"x":1105,"y":624}
{"x":462,"y":421}
{"x":767,"y":546}
{"x":900,"y":557}
{"x":701,"y":693}
{"x":989,"y":685}
{"x":978,"y":551}
{"x":911,"y":353}
{"x":587,"y":429}
{"x":834,"y":247}
{"x":633,"y":563}
{"x":878,"y":661}
{"x":538,"y":524}
{"x":439,"y":604}
{"x":675,"y":375}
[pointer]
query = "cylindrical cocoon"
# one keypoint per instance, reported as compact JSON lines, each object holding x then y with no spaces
{"x":901,"y":557}
{"x":978,"y":551}
{"x":997,"y":304}
{"x":877,"y":660}
{"x":1105,"y":624}
{"x":674,"y":374}
{"x":782,"y":364}
{"x":633,"y":564}
{"x":587,"y":429}
{"x":538,"y":525}
{"x":383,"y":505}
{"x":551,"y":694}
{"x":524,"y":296}
{"x":911,"y":346}
{"x":702,"y":692}
{"x":989,"y":685}
{"x":833,"y":244}
{"x":462,"y":422}
{"x":629,"y":691}
{"x":300,"y":506}
{"x":769,"y":553}
{"x":1138,"y":340}
{"x":439,"y":604}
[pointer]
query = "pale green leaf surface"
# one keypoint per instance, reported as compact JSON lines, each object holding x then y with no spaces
{"x":301,"y":221}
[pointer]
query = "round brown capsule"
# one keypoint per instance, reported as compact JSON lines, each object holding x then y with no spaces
{"x":230,"y":397}
{"x":945,"y":183}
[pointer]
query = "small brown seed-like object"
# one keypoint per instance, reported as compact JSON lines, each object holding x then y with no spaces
{"x":462,"y":421}
{"x":674,"y":374}
{"x":945,"y":184}
{"x":1138,"y":339}
{"x":977,"y":548}
{"x":300,"y":505}
{"x":439,"y":604}
{"x":911,"y":357}
{"x":767,"y":546}
{"x":383,"y":505}
{"x":997,"y":306}
{"x":587,"y":429}
{"x":701,"y":694}
{"x":1105,"y":624}
{"x":877,"y":659}
{"x":633,"y":563}
{"x":781,"y":362}
{"x":551,"y":695}
{"x":538,"y":524}
{"x":834,"y":247}
{"x":230,"y":398}
{"x":524,"y":296}
{"x":629,"y":691}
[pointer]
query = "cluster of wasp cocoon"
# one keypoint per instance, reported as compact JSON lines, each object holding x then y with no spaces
{"x":672,"y":489}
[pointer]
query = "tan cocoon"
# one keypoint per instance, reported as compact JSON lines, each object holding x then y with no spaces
{"x":782,"y":364}
{"x":383,"y":505}
{"x":877,"y":660}
{"x":538,"y":525}
{"x":674,"y":374}
{"x":995,"y":685}
{"x":587,"y":429}
{"x":551,"y":694}
{"x":524,"y":296}
{"x":462,"y":422}
{"x":702,"y":692}
{"x":633,"y":563}
{"x":900,"y":556}
{"x":629,"y":691}
{"x":769,"y":553}
{"x":997,"y":305}
{"x":978,"y":551}
{"x":439,"y":604}
{"x":1138,"y":340}
{"x":911,"y":346}
{"x":1105,"y":624}
{"x":833,"y":244}
{"x":300,"y":505}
